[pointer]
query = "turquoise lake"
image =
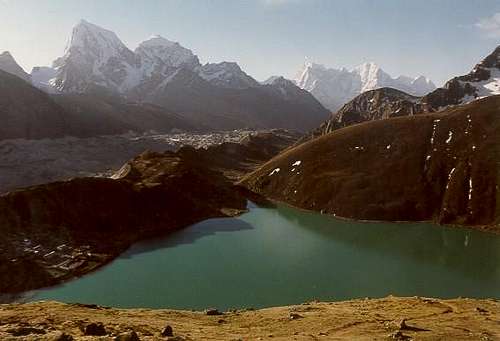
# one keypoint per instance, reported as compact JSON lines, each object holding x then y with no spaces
{"x":282,"y":256}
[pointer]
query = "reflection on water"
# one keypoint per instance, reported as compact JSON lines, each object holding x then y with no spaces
{"x":279,"y":256}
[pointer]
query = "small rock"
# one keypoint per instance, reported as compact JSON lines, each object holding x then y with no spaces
{"x":402,"y":324}
{"x":23,"y":331}
{"x":167,"y":331}
{"x":128,"y":336}
{"x":94,"y":329}
{"x":481,"y":310}
{"x":62,"y":337}
{"x":176,"y":338}
{"x":221,"y":321}
{"x":213,"y":312}
{"x":295,"y":316}
{"x":399,"y":336}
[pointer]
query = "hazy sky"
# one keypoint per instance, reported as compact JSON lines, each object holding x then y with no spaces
{"x":437,"y":38}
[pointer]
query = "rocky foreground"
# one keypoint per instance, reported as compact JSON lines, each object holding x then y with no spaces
{"x":366,"y":319}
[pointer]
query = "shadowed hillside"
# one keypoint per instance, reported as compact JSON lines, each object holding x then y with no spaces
{"x":441,"y":167}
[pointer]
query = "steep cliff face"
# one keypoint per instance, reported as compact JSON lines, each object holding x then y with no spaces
{"x":441,"y":167}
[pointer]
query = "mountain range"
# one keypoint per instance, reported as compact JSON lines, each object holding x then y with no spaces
{"x":335,"y":87}
{"x":388,"y":155}
{"x":481,"y":82}
{"x":103,"y":87}
{"x":164,"y":73}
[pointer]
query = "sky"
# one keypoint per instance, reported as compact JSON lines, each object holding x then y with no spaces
{"x":436,"y":38}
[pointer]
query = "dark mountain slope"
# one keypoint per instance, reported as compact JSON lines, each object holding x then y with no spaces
{"x":26,"y":112}
{"x":9,"y":65}
{"x":104,"y":114}
{"x":442,"y":167}
{"x":370,"y":106}
{"x":267,"y":106}
{"x":29,"y":113}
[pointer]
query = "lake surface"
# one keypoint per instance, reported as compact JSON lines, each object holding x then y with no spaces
{"x":282,"y":256}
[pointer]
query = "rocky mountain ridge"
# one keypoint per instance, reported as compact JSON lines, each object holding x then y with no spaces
{"x":481,"y":82}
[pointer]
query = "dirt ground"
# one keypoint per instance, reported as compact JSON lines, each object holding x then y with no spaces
{"x":412,"y":318}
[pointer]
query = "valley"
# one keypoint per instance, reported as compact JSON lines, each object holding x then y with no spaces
{"x":139,"y":175}
{"x":34,"y":162}
{"x":46,"y":227}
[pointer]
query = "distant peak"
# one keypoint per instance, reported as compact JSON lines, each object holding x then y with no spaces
{"x":274,"y":79}
{"x":7,"y":57}
{"x":102,"y":37}
{"x":313,"y":65}
{"x":85,"y":23}
{"x":369,"y":66}
{"x":158,"y":40}
{"x":422,"y":79}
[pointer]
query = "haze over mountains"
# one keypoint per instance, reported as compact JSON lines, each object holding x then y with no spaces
{"x":164,"y":73}
{"x":335,"y":87}
{"x":105,"y":88}
{"x":9,"y":64}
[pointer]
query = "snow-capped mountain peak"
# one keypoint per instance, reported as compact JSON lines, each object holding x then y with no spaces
{"x":335,"y":87}
{"x":228,"y":75}
{"x":161,"y":52}
{"x":157,"y":40}
{"x":372,"y":76}
{"x":482,"y":81}
{"x":97,"y":56}
{"x":89,"y":36}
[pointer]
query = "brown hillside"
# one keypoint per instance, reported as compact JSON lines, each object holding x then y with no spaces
{"x":442,"y":167}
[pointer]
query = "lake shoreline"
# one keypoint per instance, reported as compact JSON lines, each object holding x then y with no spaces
{"x":482,"y":228}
